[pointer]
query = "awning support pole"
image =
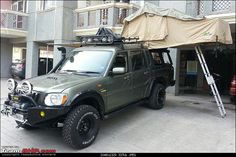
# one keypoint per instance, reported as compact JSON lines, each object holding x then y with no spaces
{"x":210,"y":81}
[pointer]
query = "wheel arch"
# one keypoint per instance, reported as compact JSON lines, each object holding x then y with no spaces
{"x":89,"y":98}
{"x":157,"y":80}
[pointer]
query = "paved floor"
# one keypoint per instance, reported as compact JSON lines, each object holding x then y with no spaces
{"x":187,"y":123}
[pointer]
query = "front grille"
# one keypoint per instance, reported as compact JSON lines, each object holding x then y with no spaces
{"x":35,"y":95}
{"x":38,"y":97}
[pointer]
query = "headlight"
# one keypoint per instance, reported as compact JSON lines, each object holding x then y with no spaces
{"x":55,"y":99}
{"x":11,"y":85}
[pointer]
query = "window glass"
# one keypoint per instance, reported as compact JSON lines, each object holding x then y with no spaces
{"x":87,"y":61}
{"x":103,"y":16}
{"x":157,"y":58}
{"x":166,"y":58}
{"x":122,"y":14}
{"x":19,"y":5}
{"x":19,"y":21}
{"x":121,"y":60}
{"x":138,"y":61}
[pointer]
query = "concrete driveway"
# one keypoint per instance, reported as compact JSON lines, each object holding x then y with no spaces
{"x":187,"y":123}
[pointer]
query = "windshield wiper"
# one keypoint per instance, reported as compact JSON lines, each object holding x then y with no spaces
{"x":89,"y":72}
{"x":79,"y":72}
{"x":66,"y":71}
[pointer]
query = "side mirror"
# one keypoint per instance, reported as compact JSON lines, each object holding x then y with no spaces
{"x":118,"y":70}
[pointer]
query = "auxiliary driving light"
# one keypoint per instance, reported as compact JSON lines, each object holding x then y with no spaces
{"x":11,"y":85}
{"x":97,"y":39}
{"x":26,"y":87}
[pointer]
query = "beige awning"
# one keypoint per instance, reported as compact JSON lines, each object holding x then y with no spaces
{"x":163,"y":28}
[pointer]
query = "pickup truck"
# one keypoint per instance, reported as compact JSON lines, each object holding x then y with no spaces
{"x":89,"y":85}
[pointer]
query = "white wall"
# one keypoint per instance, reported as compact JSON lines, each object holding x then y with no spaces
{"x":6,"y":57}
{"x":179,"y":5}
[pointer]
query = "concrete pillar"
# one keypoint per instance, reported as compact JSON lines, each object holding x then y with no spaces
{"x":232,"y":9}
{"x":98,"y":16}
{"x":23,"y":53}
{"x":175,"y":56}
{"x":192,"y":7}
{"x":6,"y":57}
{"x":32,"y":56}
{"x":207,"y":7}
{"x":111,"y":21}
{"x":86,"y":19}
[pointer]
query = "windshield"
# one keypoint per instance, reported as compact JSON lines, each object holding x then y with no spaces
{"x":89,"y":62}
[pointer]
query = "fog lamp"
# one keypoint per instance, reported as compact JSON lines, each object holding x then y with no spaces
{"x":42,"y":114}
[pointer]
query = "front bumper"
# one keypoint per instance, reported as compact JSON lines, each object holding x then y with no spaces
{"x":33,"y":114}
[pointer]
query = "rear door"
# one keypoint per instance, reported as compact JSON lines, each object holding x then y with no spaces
{"x":163,"y":64}
{"x":140,"y":74}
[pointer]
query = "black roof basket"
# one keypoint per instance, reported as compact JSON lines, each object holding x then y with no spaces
{"x":106,"y":36}
{"x":108,"y":32}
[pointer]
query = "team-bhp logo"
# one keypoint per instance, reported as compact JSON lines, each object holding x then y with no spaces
{"x":18,"y":150}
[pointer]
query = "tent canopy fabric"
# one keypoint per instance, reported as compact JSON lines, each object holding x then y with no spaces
{"x":163,"y":28}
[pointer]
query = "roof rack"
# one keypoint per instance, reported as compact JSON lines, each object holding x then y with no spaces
{"x":130,"y":39}
{"x":105,"y":36}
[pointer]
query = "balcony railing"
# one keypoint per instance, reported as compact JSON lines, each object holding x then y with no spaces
{"x":110,"y":14}
{"x":14,"y":20}
{"x":211,"y":7}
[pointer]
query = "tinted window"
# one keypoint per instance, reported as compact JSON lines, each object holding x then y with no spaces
{"x":121,"y":61}
{"x":166,"y":58}
{"x":138,"y":61}
{"x":157,"y":58}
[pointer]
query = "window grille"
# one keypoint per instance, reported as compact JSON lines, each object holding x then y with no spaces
{"x":218,"y":5}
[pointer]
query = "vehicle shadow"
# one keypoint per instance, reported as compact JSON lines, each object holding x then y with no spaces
{"x":51,"y":138}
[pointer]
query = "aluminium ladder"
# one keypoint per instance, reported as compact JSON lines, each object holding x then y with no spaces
{"x":210,"y":81}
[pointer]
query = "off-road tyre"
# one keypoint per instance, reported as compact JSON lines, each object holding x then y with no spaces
{"x":158,"y":97}
{"x":81,"y":126}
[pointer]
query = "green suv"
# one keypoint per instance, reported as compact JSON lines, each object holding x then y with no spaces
{"x":92,"y":83}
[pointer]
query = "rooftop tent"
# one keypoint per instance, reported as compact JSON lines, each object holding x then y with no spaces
{"x":163,"y":28}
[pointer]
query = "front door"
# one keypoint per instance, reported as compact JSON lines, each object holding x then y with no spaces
{"x":119,"y":87}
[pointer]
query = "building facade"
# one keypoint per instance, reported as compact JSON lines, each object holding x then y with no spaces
{"x":36,"y":26}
